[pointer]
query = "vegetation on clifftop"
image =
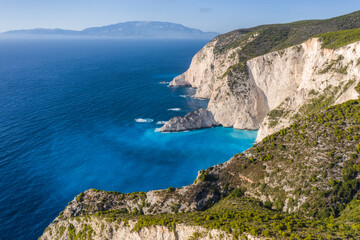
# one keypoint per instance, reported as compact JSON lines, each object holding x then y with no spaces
{"x":260,"y":40}
{"x":334,"y":40}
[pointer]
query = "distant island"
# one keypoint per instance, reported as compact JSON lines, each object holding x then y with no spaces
{"x":134,"y":29}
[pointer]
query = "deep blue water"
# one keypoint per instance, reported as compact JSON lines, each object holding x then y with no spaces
{"x":67,"y":124}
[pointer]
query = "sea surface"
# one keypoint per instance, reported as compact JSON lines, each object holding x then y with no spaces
{"x":79,"y":114}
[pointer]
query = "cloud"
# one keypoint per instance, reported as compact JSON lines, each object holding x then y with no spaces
{"x":205,"y":9}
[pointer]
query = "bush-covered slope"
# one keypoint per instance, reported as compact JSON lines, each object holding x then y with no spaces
{"x":334,"y":40}
{"x":310,"y":167}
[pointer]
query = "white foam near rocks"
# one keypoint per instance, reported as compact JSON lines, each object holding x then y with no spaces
{"x":144,"y":120}
{"x":174,"y":109}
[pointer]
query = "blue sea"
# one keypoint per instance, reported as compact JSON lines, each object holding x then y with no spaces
{"x":79,"y":114}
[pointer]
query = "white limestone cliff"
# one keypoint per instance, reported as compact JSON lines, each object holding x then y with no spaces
{"x":286,"y":81}
{"x":99,"y":229}
{"x":205,"y":67}
{"x":304,"y":74}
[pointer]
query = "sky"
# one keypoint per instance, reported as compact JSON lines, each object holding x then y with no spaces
{"x":208,"y":15}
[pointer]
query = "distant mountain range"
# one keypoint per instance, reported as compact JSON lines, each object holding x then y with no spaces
{"x":134,"y":29}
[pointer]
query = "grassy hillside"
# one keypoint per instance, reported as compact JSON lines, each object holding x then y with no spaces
{"x":274,"y":37}
{"x":309,"y":167}
{"x":334,"y":40}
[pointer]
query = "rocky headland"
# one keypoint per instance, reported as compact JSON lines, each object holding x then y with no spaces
{"x":268,"y":92}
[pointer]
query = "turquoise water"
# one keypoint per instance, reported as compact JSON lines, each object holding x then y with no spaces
{"x":80,"y":114}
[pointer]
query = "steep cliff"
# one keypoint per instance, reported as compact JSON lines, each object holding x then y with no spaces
{"x":304,"y":79}
{"x":250,"y":73}
{"x":283,"y":83}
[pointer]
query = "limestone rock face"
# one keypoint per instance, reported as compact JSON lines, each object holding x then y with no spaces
{"x":200,"y":118}
{"x":124,"y":231}
{"x":243,"y":95}
{"x":205,"y":67}
{"x":238,"y":102}
{"x":297,"y":78}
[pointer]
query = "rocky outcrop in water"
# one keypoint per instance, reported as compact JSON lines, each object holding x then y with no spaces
{"x":200,"y":118}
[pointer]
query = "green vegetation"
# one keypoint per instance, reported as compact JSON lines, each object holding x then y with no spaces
{"x":80,"y":197}
{"x":171,"y":189}
{"x":239,"y":67}
{"x":86,"y":233}
{"x":239,"y":215}
{"x":260,"y":40}
{"x":331,"y":65}
{"x":320,"y":102}
{"x":62,"y":230}
{"x":357,"y":88}
{"x":204,"y":176}
{"x":275,"y":115}
{"x":337,"y":127}
{"x":334,"y":40}
{"x":268,"y":38}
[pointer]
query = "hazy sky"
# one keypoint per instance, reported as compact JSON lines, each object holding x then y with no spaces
{"x":207,"y":15}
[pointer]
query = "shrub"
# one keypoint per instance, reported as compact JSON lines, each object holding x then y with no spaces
{"x":334,"y":40}
{"x":175,"y":207}
{"x":238,"y":192}
{"x":171,"y":189}
{"x":357,"y":88}
{"x":268,"y":204}
{"x":205,"y":176}
{"x":312,"y":178}
{"x":79,"y":198}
